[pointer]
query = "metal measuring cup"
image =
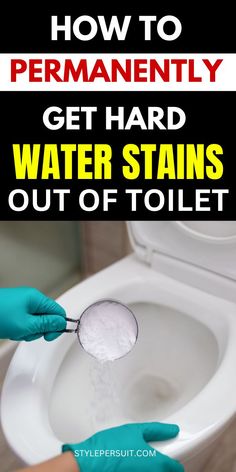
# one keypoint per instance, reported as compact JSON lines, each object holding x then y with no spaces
{"x":84,"y":329}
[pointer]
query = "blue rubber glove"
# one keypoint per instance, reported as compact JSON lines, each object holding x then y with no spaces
{"x":124,"y":449}
{"x":27,"y":314}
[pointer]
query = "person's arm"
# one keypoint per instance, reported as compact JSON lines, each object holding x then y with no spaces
{"x":116,"y":449}
{"x":63,"y":463}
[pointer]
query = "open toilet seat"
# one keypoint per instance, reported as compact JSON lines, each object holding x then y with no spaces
{"x":34,"y":367}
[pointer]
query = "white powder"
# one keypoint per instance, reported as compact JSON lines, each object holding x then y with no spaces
{"x":105,"y":409}
{"x":107,"y":330}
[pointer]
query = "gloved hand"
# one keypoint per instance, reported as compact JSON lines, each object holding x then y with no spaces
{"x":124,"y":449}
{"x":27,"y":314}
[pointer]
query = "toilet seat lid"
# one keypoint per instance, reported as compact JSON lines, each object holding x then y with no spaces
{"x":210,"y":245}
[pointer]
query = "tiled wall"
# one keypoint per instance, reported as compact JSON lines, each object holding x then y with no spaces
{"x":103,"y":242}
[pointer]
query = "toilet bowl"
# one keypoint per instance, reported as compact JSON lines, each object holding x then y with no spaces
{"x":180,"y":284}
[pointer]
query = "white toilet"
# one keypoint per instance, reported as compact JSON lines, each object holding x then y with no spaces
{"x":181,"y":284}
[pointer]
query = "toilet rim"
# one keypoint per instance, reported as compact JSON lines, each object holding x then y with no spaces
{"x":42,"y":444}
{"x":21,"y":383}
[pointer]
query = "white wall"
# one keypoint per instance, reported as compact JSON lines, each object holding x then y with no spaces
{"x":41,"y":254}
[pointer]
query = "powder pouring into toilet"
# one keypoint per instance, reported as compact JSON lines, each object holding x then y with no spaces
{"x":107,"y":330}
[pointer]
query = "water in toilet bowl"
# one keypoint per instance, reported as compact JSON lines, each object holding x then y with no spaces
{"x":149,"y":384}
